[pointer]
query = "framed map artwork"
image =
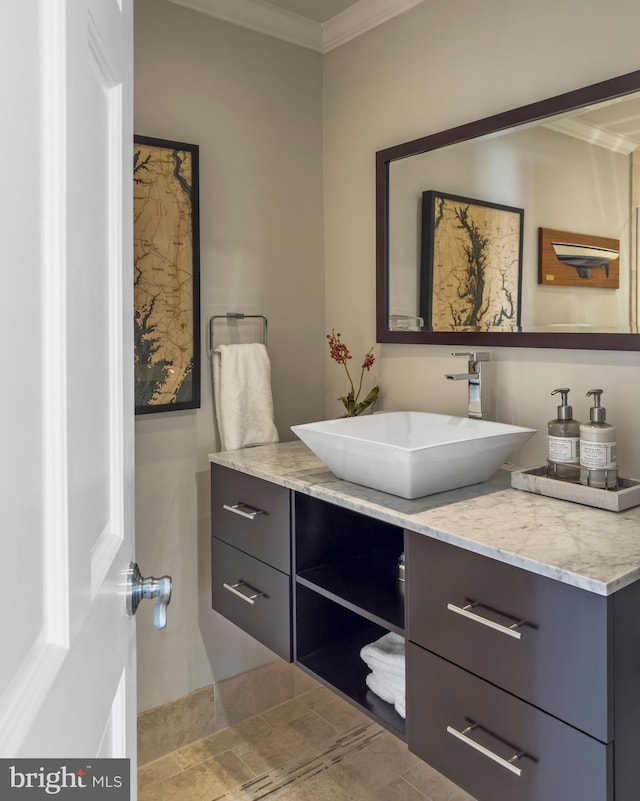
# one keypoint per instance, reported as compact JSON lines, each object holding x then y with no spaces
{"x":166,"y":264}
{"x":471,"y":264}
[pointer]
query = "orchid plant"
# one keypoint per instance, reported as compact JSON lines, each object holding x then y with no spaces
{"x":351,"y":401}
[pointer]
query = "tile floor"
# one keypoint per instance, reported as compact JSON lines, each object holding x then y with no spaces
{"x":315,"y":747}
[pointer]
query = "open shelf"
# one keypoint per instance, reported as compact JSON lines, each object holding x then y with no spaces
{"x":329,"y":638}
{"x":341,"y":669}
{"x":363,"y":586}
{"x":351,"y":559}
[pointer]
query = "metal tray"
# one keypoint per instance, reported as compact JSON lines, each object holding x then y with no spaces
{"x":536,"y":480}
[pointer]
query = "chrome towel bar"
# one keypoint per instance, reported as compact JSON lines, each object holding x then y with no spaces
{"x":235,"y":316}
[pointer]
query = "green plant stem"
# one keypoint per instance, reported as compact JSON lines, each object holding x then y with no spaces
{"x":346,"y":369}
{"x":360,"y":384}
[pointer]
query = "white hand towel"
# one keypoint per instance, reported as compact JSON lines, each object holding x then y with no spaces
{"x":392,"y":694}
{"x":242,"y":394}
{"x":387,"y":652}
{"x":392,"y":686}
{"x":394,"y":681}
{"x":396,"y":672}
{"x":386,"y":659}
{"x":379,"y":688}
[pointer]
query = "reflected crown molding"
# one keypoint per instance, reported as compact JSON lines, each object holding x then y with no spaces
{"x":270,"y":20}
{"x":593,"y":135}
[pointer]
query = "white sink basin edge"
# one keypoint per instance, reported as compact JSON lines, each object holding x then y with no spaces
{"x":412,"y":454}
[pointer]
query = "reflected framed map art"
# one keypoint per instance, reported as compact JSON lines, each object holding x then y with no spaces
{"x":471,"y":264}
{"x":166,"y":265}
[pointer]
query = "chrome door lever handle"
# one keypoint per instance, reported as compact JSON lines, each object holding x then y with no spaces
{"x":158,"y":588}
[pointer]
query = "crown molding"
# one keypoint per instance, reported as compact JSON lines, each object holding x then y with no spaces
{"x":360,"y":18}
{"x":592,"y":134}
{"x":262,"y":18}
{"x":281,"y":24}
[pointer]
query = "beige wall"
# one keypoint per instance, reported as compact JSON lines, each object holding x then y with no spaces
{"x":253,"y":104}
{"x":433,"y":67}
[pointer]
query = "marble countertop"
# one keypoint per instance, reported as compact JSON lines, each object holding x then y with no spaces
{"x":593,"y":549}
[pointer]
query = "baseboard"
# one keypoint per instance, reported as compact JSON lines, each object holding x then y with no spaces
{"x":170,"y":726}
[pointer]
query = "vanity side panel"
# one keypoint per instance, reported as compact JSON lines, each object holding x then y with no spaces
{"x":561,"y":664}
{"x":626,"y":637}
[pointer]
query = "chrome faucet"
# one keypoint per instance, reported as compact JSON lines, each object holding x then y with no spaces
{"x":479,"y":377}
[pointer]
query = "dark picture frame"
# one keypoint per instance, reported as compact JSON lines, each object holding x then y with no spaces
{"x":166,"y":275}
{"x":471,"y":264}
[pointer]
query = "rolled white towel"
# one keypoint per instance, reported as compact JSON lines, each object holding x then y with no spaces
{"x":387,"y":692}
{"x":393,"y":672}
{"x":380,"y":688}
{"x":386,"y":659}
{"x":395,"y":684}
{"x":387,"y":652}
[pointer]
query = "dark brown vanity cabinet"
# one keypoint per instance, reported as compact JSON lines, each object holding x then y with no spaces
{"x":347,"y":594}
{"x":520,"y":688}
{"x":251,"y":556}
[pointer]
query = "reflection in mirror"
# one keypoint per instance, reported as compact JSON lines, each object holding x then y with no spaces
{"x":575,"y":175}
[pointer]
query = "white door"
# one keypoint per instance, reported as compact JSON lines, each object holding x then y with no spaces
{"x":67,"y":663}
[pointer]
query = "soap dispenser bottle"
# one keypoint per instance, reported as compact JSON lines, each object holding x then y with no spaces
{"x":564,"y":441}
{"x":598,"y":467}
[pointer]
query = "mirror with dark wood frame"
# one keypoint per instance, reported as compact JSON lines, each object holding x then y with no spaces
{"x":469,"y":220}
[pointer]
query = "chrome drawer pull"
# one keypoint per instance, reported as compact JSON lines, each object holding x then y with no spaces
{"x":465,"y":611}
{"x":243,"y":510}
{"x":249,"y":598}
{"x":507,"y":764}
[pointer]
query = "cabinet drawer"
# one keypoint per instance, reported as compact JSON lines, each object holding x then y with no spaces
{"x":558,"y":762}
{"x":254,"y":596}
{"x":251,"y":514}
{"x":561,"y":661}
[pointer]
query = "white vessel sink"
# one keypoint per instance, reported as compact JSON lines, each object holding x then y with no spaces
{"x":412,"y":454}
